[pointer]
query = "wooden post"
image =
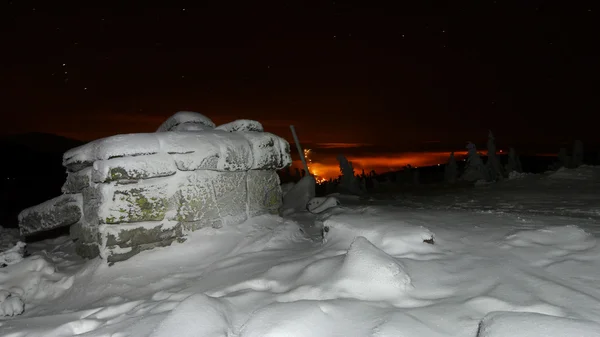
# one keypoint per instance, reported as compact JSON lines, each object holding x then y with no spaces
{"x":300,"y":151}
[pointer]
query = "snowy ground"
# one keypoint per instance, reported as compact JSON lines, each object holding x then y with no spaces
{"x":526,"y":245}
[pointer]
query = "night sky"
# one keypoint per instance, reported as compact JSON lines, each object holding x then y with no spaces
{"x":367,"y":77}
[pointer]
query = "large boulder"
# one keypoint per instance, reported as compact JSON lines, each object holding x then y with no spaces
{"x":128,"y":193}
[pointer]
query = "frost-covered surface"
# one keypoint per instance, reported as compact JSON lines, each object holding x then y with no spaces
{"x":64,"y":210}
{"x":133,"y":168}
{"x":210,"y":149}
{"x":527,"y":248}
{"x":33,"y":281}
{"x":129,"y":193}
{"x":519,"y":324}
{"x":321,"y":204}
{"x":12,"y":254}
{"x":241,"y":125}
{"x":186,"y":121}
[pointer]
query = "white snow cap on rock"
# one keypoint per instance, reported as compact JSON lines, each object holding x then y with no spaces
{"x":209,"y":149}
{"x":241,"y":125}
{"x":186,"y":121}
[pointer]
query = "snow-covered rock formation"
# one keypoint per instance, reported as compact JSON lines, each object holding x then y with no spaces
{"x":129,"y":193}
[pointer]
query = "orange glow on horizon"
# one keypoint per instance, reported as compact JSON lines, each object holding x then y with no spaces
{"x":329,"y":167}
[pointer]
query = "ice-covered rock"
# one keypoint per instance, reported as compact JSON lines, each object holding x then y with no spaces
{"x":64,"y":210}
{"x":133,"y":168}
{"x":203,"y":150}
{"x":186,"y":121}
{"x":77,"y":181}
{"x":298,"y":196}
{"x":241,"y":125}
{"x":129,"y":193}
{"x":321,"y":204}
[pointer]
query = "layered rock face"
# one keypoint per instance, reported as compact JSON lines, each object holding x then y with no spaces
{"x":129,"y":193}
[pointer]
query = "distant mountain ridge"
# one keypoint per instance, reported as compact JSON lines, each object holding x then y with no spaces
{"x":38,"y":142}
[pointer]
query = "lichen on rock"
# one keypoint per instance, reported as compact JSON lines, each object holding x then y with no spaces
{"x":129,"y":193}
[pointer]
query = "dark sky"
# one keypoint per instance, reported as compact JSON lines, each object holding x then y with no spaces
{"x":399,"y":75}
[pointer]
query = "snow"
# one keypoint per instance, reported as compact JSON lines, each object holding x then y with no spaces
{"x":241,"y":125}
{"x":517,"y":258}
{"x":321,"y":204}
{"x":512,"y":324}
{"x":231,"y":151}
{"x":517,"y":175}
{"x":12,"y":255}
{"x":61,"y":211}
{"x":133,"y":168}
{"x":186,"y":121}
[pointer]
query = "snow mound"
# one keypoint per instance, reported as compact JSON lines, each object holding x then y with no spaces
{"x":197,"y":315}
{"x":12,"y":255}
{"x":520,"y":324}
{"x":10,"y":305}
{"x":364,"y":273}
{"x":391,"y":235}
{"x":303,"y":319}
{"x":566,"y":237}
{"x":32,"y":280}
{"x":335,"y":318}
{"x":545,"y":246}
{"x":241,"y":125}
{"x":583,"y":172}
{"x":186,"y":121}
{"x":483,"y":182}
{"x":517,"y":175}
